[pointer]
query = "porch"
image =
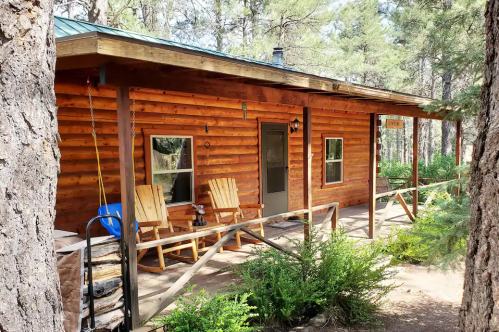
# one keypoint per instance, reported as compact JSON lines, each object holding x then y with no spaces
{"x":214,"y":276}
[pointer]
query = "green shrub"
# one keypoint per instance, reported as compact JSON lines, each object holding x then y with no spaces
{"x":336,"y":275}
{"x":201,"y":313}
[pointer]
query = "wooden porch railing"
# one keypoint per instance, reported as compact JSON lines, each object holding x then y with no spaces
{"x":397,"y":194}
{"x":330,"y":221}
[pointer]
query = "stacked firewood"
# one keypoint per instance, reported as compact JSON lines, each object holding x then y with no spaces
{"x":108,"y":287}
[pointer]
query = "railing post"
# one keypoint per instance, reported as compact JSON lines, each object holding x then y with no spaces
{"x":335,"y":218}
{"x":373,"y":117}
{"x":307,"y":172}
{"x":128,"y":200}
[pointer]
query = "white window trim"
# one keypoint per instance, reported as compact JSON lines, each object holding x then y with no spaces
{"x":184,"y":170}
{"x":333,"y":160}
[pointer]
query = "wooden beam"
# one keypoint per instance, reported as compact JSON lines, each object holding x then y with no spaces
{"x":270,"y":243}
{"x":77,"y":46}
{"x":165,"y":299}
{"x":152,"y":52}
{"x":307,"y":171}
{"x":330,"y":221}
{"x":373,"y":140}
{"x":415,"y":166}
{"x":116,"y":74}
{"x":404,"y":205}
{"x":189,"y":236}
{"x":385,"y":214}
{"x":128,"y":199}
{"x":421,"y":188}
{"x":458,"y":151}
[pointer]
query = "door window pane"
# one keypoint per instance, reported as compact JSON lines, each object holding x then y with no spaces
{"x":276,"y":172}
{"x":333,"y":172}
{"x":171,"y":153}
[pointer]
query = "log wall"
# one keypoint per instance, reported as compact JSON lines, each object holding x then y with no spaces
{"x":233,"y":148}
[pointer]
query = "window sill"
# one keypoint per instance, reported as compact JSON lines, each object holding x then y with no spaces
{"x":332,"y":185}
{"x":178,"y":204}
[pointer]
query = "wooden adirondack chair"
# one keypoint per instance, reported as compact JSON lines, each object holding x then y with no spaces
{"x":155,"y":224}
{"x":225,"y":203}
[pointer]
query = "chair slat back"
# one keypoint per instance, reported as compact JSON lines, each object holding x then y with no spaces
{"x":224,"y":193}
{"x":150,"y":205}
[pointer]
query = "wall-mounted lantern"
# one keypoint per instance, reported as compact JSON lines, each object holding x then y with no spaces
{"x":294,"y":125}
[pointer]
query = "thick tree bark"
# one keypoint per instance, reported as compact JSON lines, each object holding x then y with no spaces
{"x":431,"y":141}
{"x":448,"y":128}
{"x":98,"y":12}
{"x":29,"y":163}
{"x":219,"y":29}
{"x":480,"y":307}
{"x":400,"y":145}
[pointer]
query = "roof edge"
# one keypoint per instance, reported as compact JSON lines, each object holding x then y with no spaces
{"x":98,"y":42}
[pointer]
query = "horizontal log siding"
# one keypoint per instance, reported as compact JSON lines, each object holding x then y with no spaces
{"x":233,"y":148}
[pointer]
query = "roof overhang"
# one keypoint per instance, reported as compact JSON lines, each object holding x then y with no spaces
{"x":98,"y":43}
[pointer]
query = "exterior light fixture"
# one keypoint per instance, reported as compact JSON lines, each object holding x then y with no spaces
{"x":294,"y":125}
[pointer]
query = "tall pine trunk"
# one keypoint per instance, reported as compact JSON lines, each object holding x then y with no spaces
{"x":480,"y":307}
{"x":29,"y":163}
{"x":98,"y":11}
{"x":447,"y":126}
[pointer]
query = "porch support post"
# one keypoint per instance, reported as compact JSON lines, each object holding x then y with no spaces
{"x":415,"y":166}
{"x":458,"y":151}
{"x":128,"y":200}
{"x":373,"y":140}
{"x":307,"y":171}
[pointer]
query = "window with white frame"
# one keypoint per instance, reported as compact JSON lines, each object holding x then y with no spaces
{"x":333,"y":160}
{"x":172,"y":166}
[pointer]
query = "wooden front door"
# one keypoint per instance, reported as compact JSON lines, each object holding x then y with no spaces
{"x":274,"y":168}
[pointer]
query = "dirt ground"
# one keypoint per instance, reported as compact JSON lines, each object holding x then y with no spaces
{"x":426,"y":301}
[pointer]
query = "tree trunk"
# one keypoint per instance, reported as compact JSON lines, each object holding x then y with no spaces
{"x":400,"y":146}
{"x":431,"y":141}
{"x":29,"y":163}
{"x":479,"y":310}
{"x":98,"y":12}
{"x":447,"y":126}
{"x":219,"y":33}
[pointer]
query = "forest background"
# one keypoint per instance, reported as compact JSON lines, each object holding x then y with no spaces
{"x":431,"y":48}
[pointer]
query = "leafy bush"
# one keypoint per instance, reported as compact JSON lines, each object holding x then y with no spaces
{"x":442,"y":167}
{"x":438,"y":237}
{"x":336,"y":275}
{"x":201,"y":313}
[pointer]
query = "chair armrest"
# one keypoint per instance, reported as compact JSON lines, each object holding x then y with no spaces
{"x":251,"y":206}
{"x":181,"y":218}
{"x":150,"y":223}
{"x":226,"y":210}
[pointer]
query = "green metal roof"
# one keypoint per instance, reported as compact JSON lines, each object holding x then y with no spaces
{"x":65,"y":27}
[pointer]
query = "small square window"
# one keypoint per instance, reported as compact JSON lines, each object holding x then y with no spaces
{"x":172,"y":167}
{"x":333,"y":160}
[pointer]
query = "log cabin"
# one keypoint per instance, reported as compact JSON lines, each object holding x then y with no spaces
{"x":233,"y":116}
{"x":167,"y":113}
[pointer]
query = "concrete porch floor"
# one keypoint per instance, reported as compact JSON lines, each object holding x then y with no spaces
{"x":215,"y":275}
